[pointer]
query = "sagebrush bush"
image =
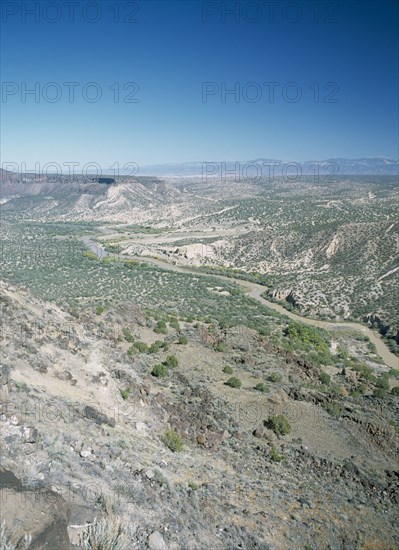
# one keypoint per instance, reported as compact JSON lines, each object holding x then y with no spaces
{"x":227,"y":369}
{"x":261,"y":387}
{"x":160,"y":371}
{"x":233,"y":382}
{"x":171,"y":361}
{"x":125,"y":393}
{"x":220,"y":346}
{"x":275,"y":455}
{"x":325,"y":378}
{"x":103,"y":534}
{"x":173,"y":441}
{"x":279,"y":424}
{"x":128,"y":336}
{"x":333,"y":409}
{"x":379,"y":392}
{"x":161,"y":328}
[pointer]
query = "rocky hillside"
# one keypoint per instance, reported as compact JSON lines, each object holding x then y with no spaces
{"x":113,"y":423}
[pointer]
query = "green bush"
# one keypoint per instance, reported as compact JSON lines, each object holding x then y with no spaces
{"x":359,"y":391}
{"x":325,"y":378}
{"x":160,"y":371}
{"x":173,"y":441}
{"x":155,"y":347}
{"x":183,"y":340}
{"x":125,"y":393}
{"x":333,"y":409}
{"x":306,"y":337}
{"x":220,"y":346}
{"x":379,"y":392}
{"x":366,"y":373}
{"x":395,"y":390}
{"x":227,"y":369}
{"x":142,"y":347}
{"x":275,"y":377}
{"x":128,"y":336}
{"x":275,"y":455}
{"x":261,"y":387}
{"x":132,"y":350}
{"x":171,"y":361}
{"x":100,"y":310}
{"x":233,"y":382}
{"x":279,"y":424}
{"x":160,"y":328}
{"x":174,"y":323}
{"x":383,"y":382}
{"x":90,"y":255}
{"x":372,"y":347}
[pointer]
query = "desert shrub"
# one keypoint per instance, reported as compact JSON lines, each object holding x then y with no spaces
{"x":100,"y":310}
{"x":382,"y":382}
{"x":233,"y":382}
{"x":174,"y":323}
{"x":227,"y":369}
{"x":372,"y":347}
{"x":261,"y":387}
{"x":160,"y":328}
{"x":307,"y":337}
{"x":125,"y":393}
{"x":103,"y":534}
{"x":142,"y":347}
{"x":220,"y":346}
{"x":128,"y":336}
{"x":275,"y":455}
{"x":275,"y":377}
{"x":366,"y":373}
{"x":394,"y":373}
{"x":160,"y":371}
{"x":171,"y":361}
{"x":193,"y":486}
{"x":132,"y":350}
{"x":395,"y":391}
{"x":183,"y":340}
{"x":379,"y":392}
{"x":333,"y":409}
{"x":325,"y":378}
{"x":358,"y":391}
{"x":90,"y":255}
{"x":279,"y":424}
{"x":154,"y":347}
{"x":173,"y":441}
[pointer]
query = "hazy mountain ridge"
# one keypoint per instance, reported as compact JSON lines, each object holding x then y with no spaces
{"x":339,"y":166}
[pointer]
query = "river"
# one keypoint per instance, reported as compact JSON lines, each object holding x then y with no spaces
{"x":255,"y":290}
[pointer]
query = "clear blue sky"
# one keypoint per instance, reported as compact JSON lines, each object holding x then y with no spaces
{"x":170,"y":52}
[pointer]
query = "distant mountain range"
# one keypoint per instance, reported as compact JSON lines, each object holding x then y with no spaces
{"x":10,"y":182}
{"x":381,"y":166}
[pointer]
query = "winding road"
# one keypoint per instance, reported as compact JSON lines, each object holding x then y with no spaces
{"x":255,"y":291}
